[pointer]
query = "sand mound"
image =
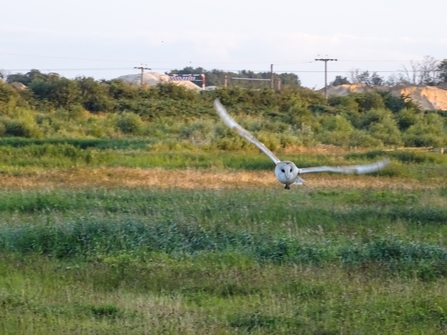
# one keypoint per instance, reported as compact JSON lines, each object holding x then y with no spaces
{"x":155,"y":78}
{"x":427,"y":97}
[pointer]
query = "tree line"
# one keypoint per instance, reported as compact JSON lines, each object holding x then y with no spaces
{"x":217,"y":77}
{"x":54,"y":106}
{"x":428,"y":71}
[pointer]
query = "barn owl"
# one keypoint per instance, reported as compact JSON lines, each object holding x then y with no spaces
{"x":287,"y":172}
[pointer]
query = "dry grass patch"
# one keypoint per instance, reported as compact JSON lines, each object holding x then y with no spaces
{"x":110,"y":177}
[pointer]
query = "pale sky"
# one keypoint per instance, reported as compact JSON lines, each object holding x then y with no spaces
{"x":108,"y":38}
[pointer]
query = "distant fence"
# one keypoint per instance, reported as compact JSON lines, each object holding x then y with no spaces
{"x":278,"y":81}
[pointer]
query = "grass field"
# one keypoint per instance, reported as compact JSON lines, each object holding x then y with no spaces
{"x":131,"y":241}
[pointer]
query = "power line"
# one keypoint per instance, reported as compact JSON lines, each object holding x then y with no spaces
{"x":72,"y":69}
{"x":142,"y":68}
{"x":235,"y":62}
{"x":226,"y":70}
{"x":325,"y":60}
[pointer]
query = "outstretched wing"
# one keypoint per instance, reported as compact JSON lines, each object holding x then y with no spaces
{"x":352,"y":169}
{"x":220,"y":109}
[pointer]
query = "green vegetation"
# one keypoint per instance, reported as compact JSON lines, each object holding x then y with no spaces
{"x":237,"y":261}
{"x":81,"y":254}
{"x":54,"y":107}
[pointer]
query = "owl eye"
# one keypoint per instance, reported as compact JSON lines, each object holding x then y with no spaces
{"x":290,"y":169}
{"x":282,"y":170}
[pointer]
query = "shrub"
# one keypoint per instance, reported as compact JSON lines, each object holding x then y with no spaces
{"x":359,"y":138}
{"x":428,"y":131}
{"x":369,"y":100}
{"x":406,"y":118}
{"x":373,"y":116}
{"x":270,"y":140}
{"x":130,"y":123}
{"x":338,"y":138}
{"x":337,"y":123}
{"x":198,"y":131}
{"x":8,"y":98}
{"x":386,"y":131}
{"x":22,"y":128}
{"x":77,"y":113}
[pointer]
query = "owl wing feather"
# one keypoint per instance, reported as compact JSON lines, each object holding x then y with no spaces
{"x":351,"y":169}
{"x":228,"y":120}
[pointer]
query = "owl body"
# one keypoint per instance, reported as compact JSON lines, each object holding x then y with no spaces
{"x":287,"y":173}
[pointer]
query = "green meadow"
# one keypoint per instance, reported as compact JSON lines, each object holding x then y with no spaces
{"x":242,"y":260}
{"x":132,"y":210}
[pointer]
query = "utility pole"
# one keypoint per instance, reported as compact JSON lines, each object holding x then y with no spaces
{"x":142,"y":68}
{"x":272,"y":79}
{"x":325,"y":60}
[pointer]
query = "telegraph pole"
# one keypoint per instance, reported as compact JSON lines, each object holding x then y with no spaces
{"x":325,"y":60}
{"x":272,"y":79}
{"x":142,"y":68}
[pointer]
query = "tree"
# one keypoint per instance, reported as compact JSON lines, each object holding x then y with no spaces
{"x":216,"y":77}
{"x":369,"y":100}
{"x":442,"y":68}
{"x":339,"y":80}
{"x":59,"y":91}
{"x":424,"y":72}
{"x":426,"y":131}
{"x":290,"y":79}
{"x":366,"y":78}
{"x":27,"y":78}
{"x":8,"y":98}
{"x":94,"y":95}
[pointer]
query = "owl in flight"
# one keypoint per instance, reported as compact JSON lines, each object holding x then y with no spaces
{"x":287,"y":172}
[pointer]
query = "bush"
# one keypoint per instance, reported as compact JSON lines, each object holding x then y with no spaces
{"x":8,"y":98}
{"x":374,"y":116}
{"x":337,"y":123}
{"x":386,"y":131}
{"x":270,"y":140}
{"x":198,"y":131}
{"x":426,"y":132}
{"x":359,"y":138}
{"x":22,"y":128}
{"x":338,"y":138}
{"x":77,"y":113}
{"x":407,"y":117}
{"x":130,"y":123}
{"x":369,"y":100}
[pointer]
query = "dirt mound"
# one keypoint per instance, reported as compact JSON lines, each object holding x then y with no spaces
{"x":155,"y":78}
{"x":427,"y":97}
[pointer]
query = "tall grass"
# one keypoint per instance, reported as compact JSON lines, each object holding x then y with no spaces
{"x":316,"y":229}
{"x":223,"y":262}
{"x":315,"y":260}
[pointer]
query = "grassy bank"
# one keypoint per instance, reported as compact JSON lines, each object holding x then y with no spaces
{"x":232,"y":261}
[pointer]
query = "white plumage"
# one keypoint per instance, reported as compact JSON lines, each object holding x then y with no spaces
{"x":287,"y":172}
